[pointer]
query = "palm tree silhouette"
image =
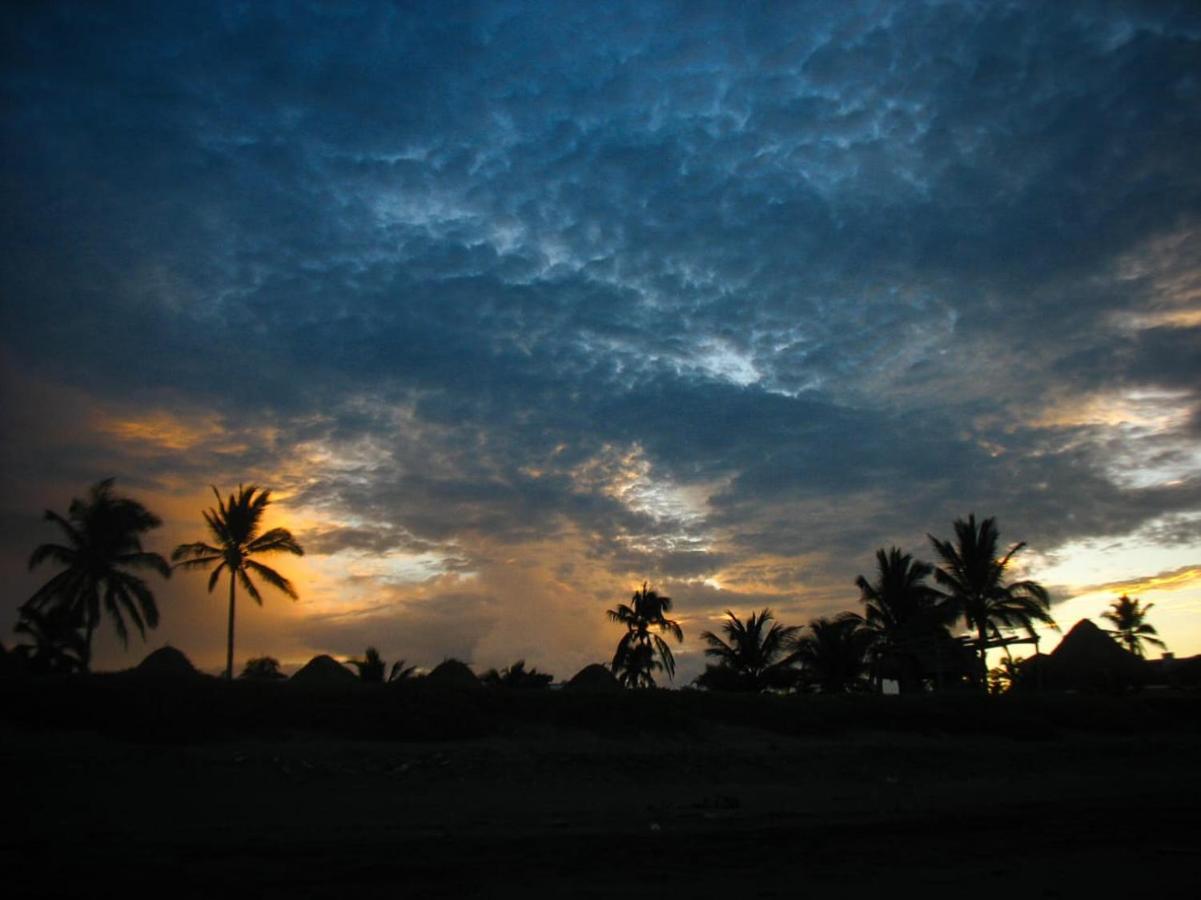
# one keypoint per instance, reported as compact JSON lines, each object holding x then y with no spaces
{"x":58,"y":647}
{"x":1129,"y":626}
{"x":754,"y":657}
{"x":262,"y":668}
{"x":234,"y":526}
{"x":517,"y":676}
{"x":972,"y":578}
{"x":400,"y":671}
{"x":103,"y":539}
{"x":370,"y":667}
{"x":904,"y":613}
{"x":635,"y":662}
{"x":833,"y":656}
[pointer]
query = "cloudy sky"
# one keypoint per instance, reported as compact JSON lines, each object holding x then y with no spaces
{"x":515,"y":306}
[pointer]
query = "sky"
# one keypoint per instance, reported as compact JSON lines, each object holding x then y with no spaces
{"x":514,"y":307}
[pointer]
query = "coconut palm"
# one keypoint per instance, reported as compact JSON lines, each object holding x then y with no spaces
{"x":517,"y":676}
{"x":370,"y":667}
{"x":401,"y":672}
{"x":972,"y":580}
{"x":262,"y":668}
{"x":833,"y":656}
{"x":58,"y":646}
{"x":234,"y":526}
{"x":753,"y":657}
{"x":904,"y":614}
{"x":1129,"y":628}
{"x":103,"y":542}
{"x":639,"y":653}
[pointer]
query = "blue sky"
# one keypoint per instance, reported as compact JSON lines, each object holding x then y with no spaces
{"x":518,"y":305}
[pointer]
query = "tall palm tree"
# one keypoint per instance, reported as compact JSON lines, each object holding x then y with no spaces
{"x":103,"y":541}
{"x":639,"y":653}
{"x":1129,"y":626}
{"x":833,"y":656}
{"x":234,"y":526}
{"x":904,"y":613}
{"x":754,"y":657}
{"x":972,"y":579}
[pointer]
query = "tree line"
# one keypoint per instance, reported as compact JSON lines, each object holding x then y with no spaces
{"x":905,"y":632}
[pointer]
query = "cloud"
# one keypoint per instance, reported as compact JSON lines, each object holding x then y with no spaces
{"x":683,"y":294}
{"x":1174,"y":579}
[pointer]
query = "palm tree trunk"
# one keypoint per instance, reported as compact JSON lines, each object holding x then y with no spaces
{"x":982,"y":670}
{"x":87,"y":646}
{"x":229,"y":648}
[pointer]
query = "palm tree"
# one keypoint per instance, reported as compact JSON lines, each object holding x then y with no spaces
{"x":972,"y":578}
{"x":1004,"y":678}
{"x":517,"y":676}
{"x":904,"y":613}
{"x":753,"y":659}
{"x":635,"y":662}
{"x":1129,"y":628}
{"x":103,"y":540}
{"x":401,"y":672}
{"x":234,"y":526}
{"x":370,"y":667}
{"x":262,"y":668}
{"x":833,"y":656}
{"x":57,"y":648}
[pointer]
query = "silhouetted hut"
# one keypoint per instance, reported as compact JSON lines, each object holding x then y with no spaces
{"x":595,"y":678}
{"x":453,"y":673}
{"x":166,"y":663}
{"x":1086,"y":659}
{"x":324,"y":670}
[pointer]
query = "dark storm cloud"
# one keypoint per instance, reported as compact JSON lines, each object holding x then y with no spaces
{"x":832,"y":258}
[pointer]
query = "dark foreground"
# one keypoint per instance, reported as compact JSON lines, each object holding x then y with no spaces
{"x":706,"y":809}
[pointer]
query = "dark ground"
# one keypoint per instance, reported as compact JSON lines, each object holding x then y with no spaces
{"x":542,"y":810}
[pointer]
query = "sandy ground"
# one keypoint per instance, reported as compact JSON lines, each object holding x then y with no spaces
{"x":737,"y":814}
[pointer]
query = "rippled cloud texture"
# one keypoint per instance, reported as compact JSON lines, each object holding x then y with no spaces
{"x":516,"y":306}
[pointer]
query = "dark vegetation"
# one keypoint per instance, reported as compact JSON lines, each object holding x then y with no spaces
{"x":144,"y":705}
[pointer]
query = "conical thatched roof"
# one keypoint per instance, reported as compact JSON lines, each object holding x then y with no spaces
{"x":324,"y":670}
{"x":166,"y":662}
{"x":593,"y":678}
{"x":453,"y":673}
{"x":1088,"y":658}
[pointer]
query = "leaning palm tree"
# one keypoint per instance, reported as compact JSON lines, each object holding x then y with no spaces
{"x":833,"y":656}
{"x":103,"y":540}
{"x":972,"y":580}
{"x":904,"y":614}
{"x":1129,"y":626}
{"x":753,"y":657}
{"x":234,"y":526}
{"x":639,"y":653}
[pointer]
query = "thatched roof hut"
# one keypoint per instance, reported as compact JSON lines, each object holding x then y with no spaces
{"x":1086,"y":659}
{"x":453,"y":673}
{"x":324,"y":670}
{"x":168,"y":663}
{"x":594,"y":678}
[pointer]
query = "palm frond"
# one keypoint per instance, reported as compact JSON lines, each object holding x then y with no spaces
{"x":274,"y":541}
{"x":272,"y":577}
{"x":245,"y":581}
